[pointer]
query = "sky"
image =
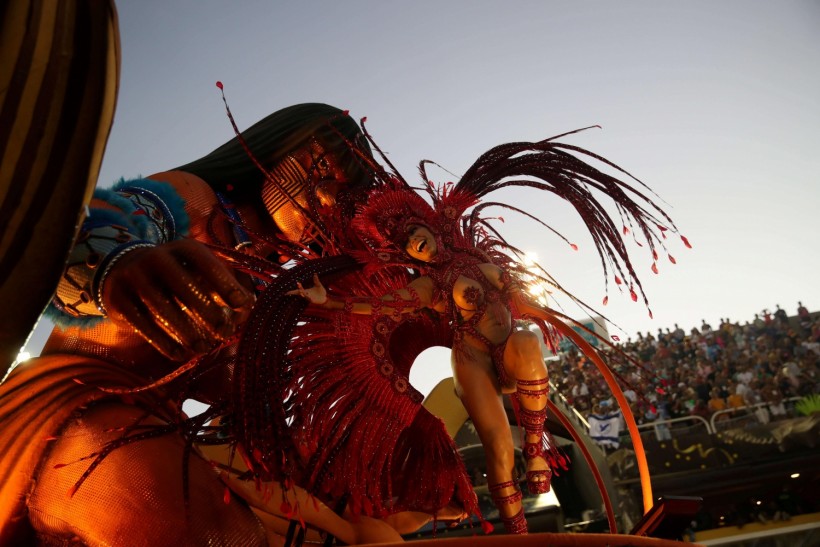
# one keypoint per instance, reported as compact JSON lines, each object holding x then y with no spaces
{"x":714,"y":105}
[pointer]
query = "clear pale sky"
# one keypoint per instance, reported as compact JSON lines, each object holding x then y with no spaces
{"x":715,"y":105}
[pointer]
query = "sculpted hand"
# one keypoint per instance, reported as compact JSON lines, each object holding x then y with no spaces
{"x":315,"y":294}
{"x":178,"y":296}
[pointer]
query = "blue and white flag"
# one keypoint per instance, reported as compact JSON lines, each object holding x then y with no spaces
{"x":605,"y":429}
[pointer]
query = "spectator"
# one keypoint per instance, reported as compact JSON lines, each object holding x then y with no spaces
{"x":811,"y":345}
{"x":803,"y":319}
{"x":662,"y":432}
{"x":735,"y":400}
{"x":753,"y":399}
{"x":791,"y":371}
{"x":758,"y":361}
{"x":716,"y":404}
{"x":772,"y":395}
{"x":700,"y":409}
{"x":742,"y":389}
{"x":702,"y":388}
{"x":780,"y":315}
{"x":745,"y":376}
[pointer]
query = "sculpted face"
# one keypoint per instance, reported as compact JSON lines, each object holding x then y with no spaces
{"x":308,"y":163}
{"x":324,"y":172}
{"x":421,"y":244}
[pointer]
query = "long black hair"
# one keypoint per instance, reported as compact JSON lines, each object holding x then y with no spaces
{"x":278,"y":135}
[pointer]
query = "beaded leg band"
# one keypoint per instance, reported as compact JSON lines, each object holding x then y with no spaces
{"x":515,"y":524}
{"x":538,"y":481}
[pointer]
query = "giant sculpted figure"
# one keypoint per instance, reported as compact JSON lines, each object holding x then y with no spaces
{"x":191,"y":283}
{"x":195,"y":283}
{"x":141,"y":295}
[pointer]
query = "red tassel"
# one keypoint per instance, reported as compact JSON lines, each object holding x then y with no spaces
{"x":226,"y":497}
{"x":574,"y":246}
{"x":686,"y":242}
{"x":345,"y":112}
{"x":71,"y":492}
{"x":52,"y":438}
{"x":219,"y":84}
{"x":662,"y":228}
{"x":267,"y":494}
{"x":618,"y":280}
{"x":616,"y":337}
{"x":229,"y":187}
{"x":633,"y":295}
{"x":654,"y":254}
{"x":487,"y":527}
{"x":78,"y":381}
{"x":672,"y":259}
{"x":60,"y":465}
{"x":654,"y":268}
{"x":651,"y":316}
{"x":364,"y":119}
{"x":606,"y":300}
{"x":626,"y":230}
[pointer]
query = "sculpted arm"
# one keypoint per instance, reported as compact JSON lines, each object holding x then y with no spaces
{"x":418,"y":294}
{"x":136,"y":264}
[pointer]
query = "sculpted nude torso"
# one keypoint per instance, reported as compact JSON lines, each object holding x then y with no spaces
{"x":488,"y":358}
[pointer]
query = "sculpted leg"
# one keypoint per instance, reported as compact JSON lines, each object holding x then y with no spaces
{"x":478,"y":388}
{"x":135,"y":496}
{"x":524,"y":362}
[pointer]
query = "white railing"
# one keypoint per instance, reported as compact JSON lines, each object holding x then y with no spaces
{"x":750,"y":413}
{"x":656,"y":423}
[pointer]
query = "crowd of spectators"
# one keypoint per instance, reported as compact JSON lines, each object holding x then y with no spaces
{"x":749,"y":368}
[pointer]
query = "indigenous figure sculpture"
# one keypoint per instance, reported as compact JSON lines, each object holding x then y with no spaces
{"x":141,"y":295}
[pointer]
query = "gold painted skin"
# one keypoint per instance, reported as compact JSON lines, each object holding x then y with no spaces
{"x":309,"y":168}
{"x":476,"y":380}
{"x":421,"y":244}
{"x":189,"y":300}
